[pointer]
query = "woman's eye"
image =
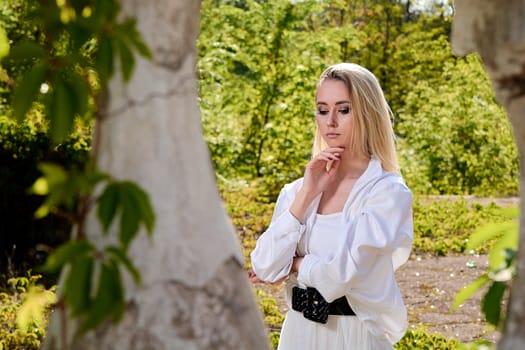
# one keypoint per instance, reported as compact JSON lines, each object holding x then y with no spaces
{"x":344,"y":110}
{"x":322,"y":112}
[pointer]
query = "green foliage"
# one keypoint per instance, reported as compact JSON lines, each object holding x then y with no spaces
{"x":445,"y":226}
{"x":250,"y":213}
{"x":259,"y":63}
{"x":258,"y":67}
{"x":501,"y":268}
{"x":273,"y":317}
{"x":63,"y":59}
{"x":61,"y":72}
{"x":449,"y":130}
{"x":416,"y":339}
{"x":134,"y":206}
{"x":23,"y":327}
{"x":94,"y":304}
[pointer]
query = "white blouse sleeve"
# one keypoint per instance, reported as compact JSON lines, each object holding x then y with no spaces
{"x":275,"y":249}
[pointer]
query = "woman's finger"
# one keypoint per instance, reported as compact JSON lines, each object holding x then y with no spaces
{"x":326,"y":157}
{"x":333,"y":150}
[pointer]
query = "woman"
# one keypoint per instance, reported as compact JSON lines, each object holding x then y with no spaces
{"x":338,"y":234}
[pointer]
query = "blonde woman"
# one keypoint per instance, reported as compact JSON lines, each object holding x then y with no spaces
{"x":338,"y":234}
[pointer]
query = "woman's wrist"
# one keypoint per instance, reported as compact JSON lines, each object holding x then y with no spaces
{"x":296,"y":264}
{"x":299,"y":205}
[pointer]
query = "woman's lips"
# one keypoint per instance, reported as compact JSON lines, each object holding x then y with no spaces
{"x":332,"y":135}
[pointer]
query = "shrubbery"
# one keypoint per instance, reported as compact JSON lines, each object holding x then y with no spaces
{"x":443,"y":226}
{"x":12,"y":335}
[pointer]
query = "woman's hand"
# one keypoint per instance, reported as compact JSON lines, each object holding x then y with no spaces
{"x":321,"y":169}
{"x":254,"y":279}
{"x":318,"y":174}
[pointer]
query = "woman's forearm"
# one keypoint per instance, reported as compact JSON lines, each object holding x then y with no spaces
{"x":300,"y":204}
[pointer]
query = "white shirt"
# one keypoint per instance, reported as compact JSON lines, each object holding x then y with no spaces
{"x":375,"y":233}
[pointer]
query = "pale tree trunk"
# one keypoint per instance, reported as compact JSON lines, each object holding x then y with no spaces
{"x":194,"y":293}
{"x":496,"y":29}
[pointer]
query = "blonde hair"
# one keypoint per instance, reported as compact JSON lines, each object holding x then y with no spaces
{"x":373,"y":133}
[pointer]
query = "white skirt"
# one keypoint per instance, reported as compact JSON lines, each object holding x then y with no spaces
{"x":340,"y":332}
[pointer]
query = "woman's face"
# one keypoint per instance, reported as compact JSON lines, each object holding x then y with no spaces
{"x":334,"y":113}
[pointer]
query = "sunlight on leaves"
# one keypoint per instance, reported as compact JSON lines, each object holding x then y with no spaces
{"x":468,"y":291}
{"x":36,"y":300}
{"x":4,"y":43}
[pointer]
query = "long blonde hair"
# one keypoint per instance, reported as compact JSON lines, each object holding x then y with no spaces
{"x":373,"y":133}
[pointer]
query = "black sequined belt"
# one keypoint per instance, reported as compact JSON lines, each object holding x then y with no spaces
{"x":315,"y":308}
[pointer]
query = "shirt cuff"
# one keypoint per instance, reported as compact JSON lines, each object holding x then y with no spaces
{"x":289,"y":223}
{"x":304,"y":274}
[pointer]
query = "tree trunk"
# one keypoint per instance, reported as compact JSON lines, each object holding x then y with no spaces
{"x":496,"y":29}
{"x":194,"y":293}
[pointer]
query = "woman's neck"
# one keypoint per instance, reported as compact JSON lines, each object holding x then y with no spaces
{"x":352,"y":165}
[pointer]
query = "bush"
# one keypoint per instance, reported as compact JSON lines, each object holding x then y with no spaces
{"x":273,"y":316}
{"x":455,"y":138}
{"x":443,"y":226}
{"x":421,"y":340}
{"x":250,"y":213}
{"x":12,"y":335}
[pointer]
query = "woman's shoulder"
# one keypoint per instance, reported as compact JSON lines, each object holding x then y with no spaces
{"x":291,"y":188}
{"x":390,"y":184}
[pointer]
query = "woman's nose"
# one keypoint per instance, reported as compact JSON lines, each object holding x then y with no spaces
{"x":331,"y":120}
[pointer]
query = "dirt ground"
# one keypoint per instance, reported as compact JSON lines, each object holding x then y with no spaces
{"x":429,"y":286}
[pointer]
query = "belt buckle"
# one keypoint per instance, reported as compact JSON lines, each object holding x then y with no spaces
{"x":311,"y":303}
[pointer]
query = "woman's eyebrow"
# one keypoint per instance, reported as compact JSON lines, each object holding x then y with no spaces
{"x":337,"y":103}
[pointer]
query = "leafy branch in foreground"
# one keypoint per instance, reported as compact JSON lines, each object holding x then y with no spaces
{"x":501,"y":266}
{"x":64,"y":69}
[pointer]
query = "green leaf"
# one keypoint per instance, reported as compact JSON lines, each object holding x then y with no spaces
{"x":121,"y":256}
{"x":107,"y":8}
{"x":488,"y":232}
{"x":136,"y":209}
{"x":104,"y":59}
{"x":132,"y":35}
{"x":498,"y":253}
{"x":142,"y":201}
{"x":129,"y":217}
{"x":40,"y":187}
{"x":32,"y":309}
{"x":26,"y":50}
{"x":51,"y":184}
{"x":466,"y":292}
{"x":80,"y":91}
{"x":491,"y":303}
{"x":77,"y":286}
{"x":109,"y":299}
{"x":107,"y":205}
{"x":89,"y":179}
{"x":66,"y":253}
{"x":61,"y":109}
{"x":4,"y":43}
{"x":54,"y":173}
{"x":127,"y":61}
{"x":26,"y":91}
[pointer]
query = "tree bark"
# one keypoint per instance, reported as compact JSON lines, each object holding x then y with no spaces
{"x":496,"y":29}
{"x":194,"y":293}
